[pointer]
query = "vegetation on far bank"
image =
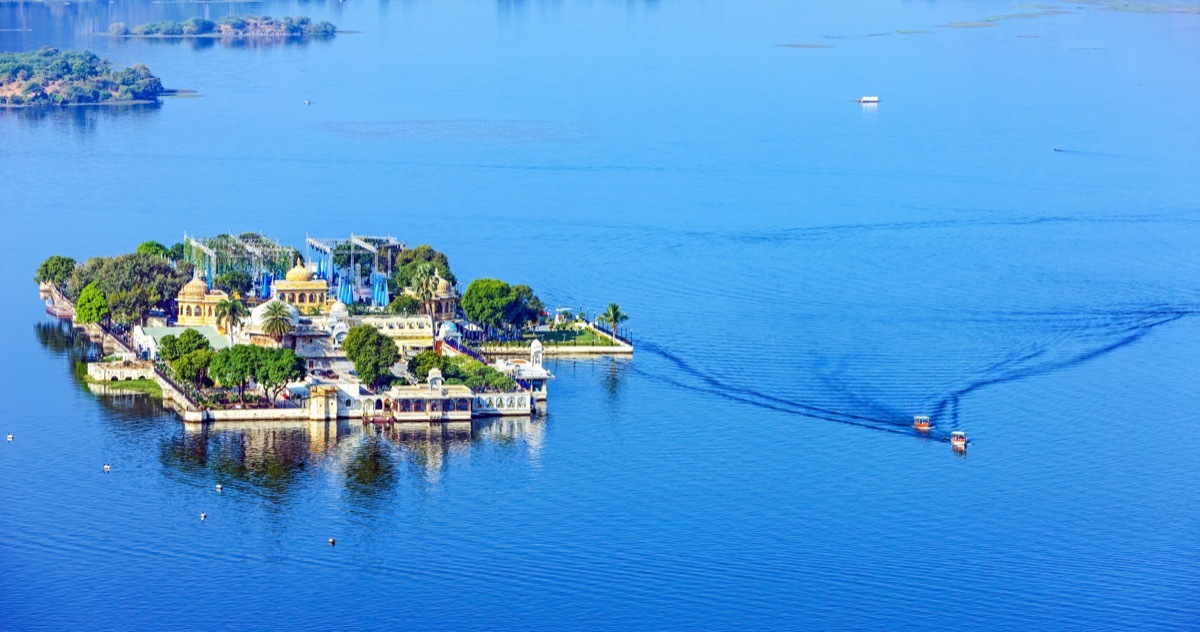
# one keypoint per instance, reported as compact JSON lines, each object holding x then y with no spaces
{"x":228,"y":26}
{"x":71,"y":77}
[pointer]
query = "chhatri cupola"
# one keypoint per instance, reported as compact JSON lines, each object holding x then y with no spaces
{"x":302,"y":290}
{"x":196,"y":305}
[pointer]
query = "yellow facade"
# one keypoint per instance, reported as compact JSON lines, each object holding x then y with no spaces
{"x":300,"y":290}
{"x":197,"y":305}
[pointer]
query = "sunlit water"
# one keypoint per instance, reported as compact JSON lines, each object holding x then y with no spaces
{"x":804,"y":274}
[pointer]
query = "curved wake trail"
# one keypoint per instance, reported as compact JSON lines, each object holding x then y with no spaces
{"x":945,"y":408}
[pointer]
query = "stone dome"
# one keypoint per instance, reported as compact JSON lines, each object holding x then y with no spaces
{"x":299,"y":273}
{"x":259,"y":314}
{"x":194,"y":289}
{"x":339,"y":311}
{"x":444,"y":289}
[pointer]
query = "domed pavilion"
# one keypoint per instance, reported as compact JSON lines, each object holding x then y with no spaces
{"x":301,"y":290}
{"x":197,"y":305}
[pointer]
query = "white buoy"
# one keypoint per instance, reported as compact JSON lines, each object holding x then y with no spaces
{"x":203,"y":516}
{"x":307,"y":102}
{"x":218,"y":487}
{"x":332,"y":542}
{"x":10,"y":437}
{"x":106,"y":468}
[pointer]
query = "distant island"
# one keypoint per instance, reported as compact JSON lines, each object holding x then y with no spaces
{"x":228,"y":26}
{"x":50,"y":77}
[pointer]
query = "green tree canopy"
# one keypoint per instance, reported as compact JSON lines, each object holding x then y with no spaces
{"x":56,"y":270}
{"x":130,"y":306}
{"x":497,"y":304}
{"x":276,"y":368}
{"x":168,"y":348}
{"x":404,"y":305}
{"x":152,"y":248}
{"x":193,"y":367}
{"x":407,"y":263}
{"x":372,"y":353}
{"x":177,"y":252}
{"x":235,"y":281}
{"x":459,"y":370}
{"x":130,"y":272}
{"x":92,"y":306}
{"x":234,"y":366}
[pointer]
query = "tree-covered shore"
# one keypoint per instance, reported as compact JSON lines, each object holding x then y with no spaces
{"x":228,"y":26}
{"x":52,"y":77}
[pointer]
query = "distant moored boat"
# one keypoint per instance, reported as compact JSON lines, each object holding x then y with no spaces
{"x":868,"y":99}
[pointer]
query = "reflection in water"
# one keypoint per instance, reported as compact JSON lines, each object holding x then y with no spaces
{"x":80,"y":118}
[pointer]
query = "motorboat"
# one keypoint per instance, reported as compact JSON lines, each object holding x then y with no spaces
{"x":868,"y":99}
{"x":958,"y":439}
{"x":922,"y":423}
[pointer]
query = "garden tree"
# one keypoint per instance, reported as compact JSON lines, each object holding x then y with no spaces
{"x":405,"y":305}
{"x":362,"y":258}
{"x":233,"y":367}
{"x":407,"y":262}
{"x":152,"y":248}
{"x":485,"y":300}
{"x":277,"y":367}
{"x":459,"y":370}
{"x":372,"y":353}
{"x":277,"y":320}
{"x":56,"y":270}
{"x":525,"y":307}
{"x":84,"y":274}
{"x":128,"y":272}
{"x":235,"y":282}
{"x":230,"y":314}
{"x":193,"y":367}
{"x":612,"y":317}
{"x":494,"y":303}
{"x":132,"y":305}
{"x":191,"y":340}
{"x":168,"y":348}
{"x":176,"y":252}
{"x":92,"y":306}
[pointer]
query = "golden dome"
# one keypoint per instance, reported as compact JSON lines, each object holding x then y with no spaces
{"x":444,"y":288}
{"x":194,"y":289}
{"x":299,"y":273}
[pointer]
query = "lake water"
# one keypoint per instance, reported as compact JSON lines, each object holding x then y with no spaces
{"x":803,"y":275}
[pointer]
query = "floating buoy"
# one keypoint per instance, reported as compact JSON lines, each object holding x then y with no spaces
{"x":106,"y":468}
{"x":332,"y":542}
{"x":218,"y":487}
{"x":10,"y":437}
{"x":203,"y":516}
{"x":307,"y":102}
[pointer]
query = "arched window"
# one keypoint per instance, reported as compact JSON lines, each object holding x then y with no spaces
{"x":312,"y":297}
{"x":448,"y":405}
{"x":464,"y":404}
{"x":301,"y":297}
{"x":379,"y":404}
{"x":189,"y":310}
{"x":510,"y":402}
{"x":405,"y":406}
{"x":419,"y":405}
{"x":210,"y":312}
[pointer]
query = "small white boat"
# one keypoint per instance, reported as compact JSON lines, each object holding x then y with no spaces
{"x":958,"y":439}
{"x":868,"y":99}
{"x":922,"y":423}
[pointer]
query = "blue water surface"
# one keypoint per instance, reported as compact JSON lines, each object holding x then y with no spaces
{"x":803,"y":275}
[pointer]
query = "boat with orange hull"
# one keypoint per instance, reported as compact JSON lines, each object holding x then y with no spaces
{"x":922,"y":423}
{"x":958,"y":439}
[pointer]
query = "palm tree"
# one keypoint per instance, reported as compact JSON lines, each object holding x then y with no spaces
{"x":612,"y":317}
{"x":277,"y":320}
{"x":424,"y":284}
{"x":231,"y":313}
